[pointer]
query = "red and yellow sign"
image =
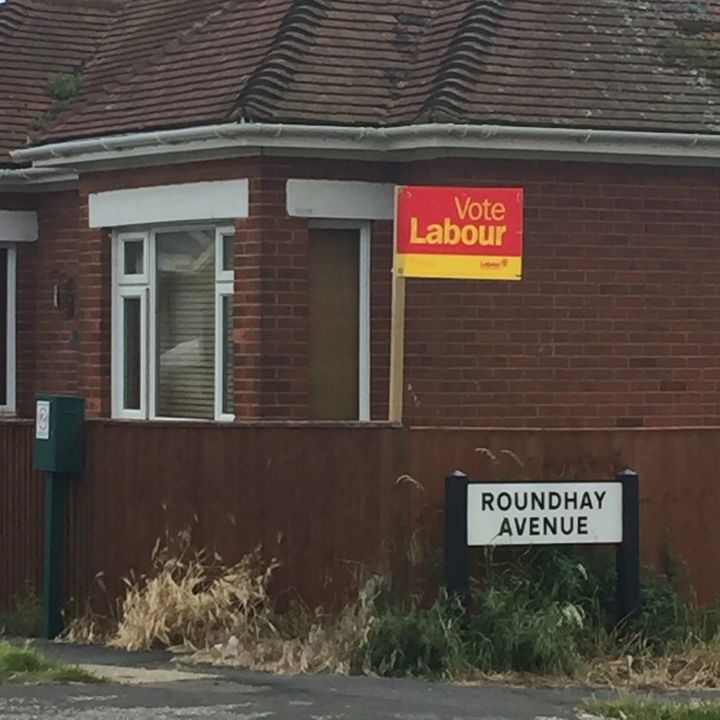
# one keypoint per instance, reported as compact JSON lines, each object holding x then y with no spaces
{"x":464,"y":233}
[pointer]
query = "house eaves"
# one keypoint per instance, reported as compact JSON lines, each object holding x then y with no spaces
{"x":396,"y":143}
{"x":36,"y":179}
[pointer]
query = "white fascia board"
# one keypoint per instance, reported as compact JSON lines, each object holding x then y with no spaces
{"x":184,"y":202}
{"x":34,"y":180}
{"x":396,"y":143}
{"x":18,"y":226}
{"x":340,"y":200}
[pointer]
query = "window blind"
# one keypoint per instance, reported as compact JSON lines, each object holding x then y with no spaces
{"x":185,"y":324}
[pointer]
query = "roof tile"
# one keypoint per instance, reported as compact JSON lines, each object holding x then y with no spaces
{"x":37,"y":40}
{"x":605,"y":64}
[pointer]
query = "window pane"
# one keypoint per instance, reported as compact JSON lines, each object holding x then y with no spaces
{"x":228,"y":384}
{"x":186,"y":324}
{"x":3,"y":324}
{"x":228,"y":244}
{"x":131,"y":353}
{"x":133,"y":252}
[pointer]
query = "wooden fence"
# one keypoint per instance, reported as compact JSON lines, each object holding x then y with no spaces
{"x":327,"y":500}
{"x":21,"y":512}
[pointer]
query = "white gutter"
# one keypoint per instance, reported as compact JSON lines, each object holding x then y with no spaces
{"x":430,"y":140}
{"x":35,"y":178}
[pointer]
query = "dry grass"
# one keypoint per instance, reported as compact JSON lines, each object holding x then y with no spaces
{"x":305,"y":641}
{"x":696,"y":670}
{"x":88,"y":629}
{"x":192,"y":603}
{"x":651,"y":709}
{"x":696,"y":666}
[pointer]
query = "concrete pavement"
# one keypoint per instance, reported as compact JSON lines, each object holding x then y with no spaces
{"x":153,"y":689}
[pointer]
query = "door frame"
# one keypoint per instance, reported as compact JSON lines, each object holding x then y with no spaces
{"x":364,"y":304}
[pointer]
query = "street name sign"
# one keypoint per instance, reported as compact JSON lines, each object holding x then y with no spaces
{"x":558,"y":513}
{"x":489,"y":514}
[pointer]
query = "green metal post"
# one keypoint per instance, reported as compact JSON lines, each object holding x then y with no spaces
{"x":56,"y":489}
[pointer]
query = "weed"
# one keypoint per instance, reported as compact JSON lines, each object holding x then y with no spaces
{"x":89,"y":628}
{"x":665,"y":616}
{"x":420,"y":642}
{"x":528,"y":617}
{"x":61,"y":89}
{"x":542,"y":611}
{"x":190,"y":600}
{"x":24,"y":620}
{"x":652,"y":710}
{"x":23,"y":664}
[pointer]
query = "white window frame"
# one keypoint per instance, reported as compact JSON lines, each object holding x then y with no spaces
{"x":134,"y":278}
{"x":129,"y":286}
{"x":364,"y":305}
{"x":144,"y":286}
{"x":10,"y":406}
{"x":224,"y":287}
{"x":125,"y":293}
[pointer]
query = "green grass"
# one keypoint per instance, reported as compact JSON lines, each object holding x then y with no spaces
{"x":22,"y":664}
{"x":652,"y":710}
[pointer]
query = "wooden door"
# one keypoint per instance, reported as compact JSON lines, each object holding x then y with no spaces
{"x":334,"y":280}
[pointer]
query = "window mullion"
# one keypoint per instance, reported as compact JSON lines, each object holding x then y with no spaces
{"x":224,"y":288}
{"x":151,"y":366}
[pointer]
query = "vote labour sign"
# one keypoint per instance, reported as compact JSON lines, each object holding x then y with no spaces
{"x":544,"y":513}
{"x":463,"y":233}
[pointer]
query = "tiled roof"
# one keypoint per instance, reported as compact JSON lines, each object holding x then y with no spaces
{"x":605,"y":64}
{"x":39,"y":39}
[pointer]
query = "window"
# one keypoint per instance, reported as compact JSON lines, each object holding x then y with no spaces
{"x":173,"y":351}
{"x":339,"y":320}
{"x":7,"y":329}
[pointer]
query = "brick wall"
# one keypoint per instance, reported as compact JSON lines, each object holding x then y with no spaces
{"x":49,"y":345}
{"x":616,"y":323}
{"x":62,"y":349}
{"x":284,"y":372}
{"x":617,"y":320}
{"x":270,"y":326}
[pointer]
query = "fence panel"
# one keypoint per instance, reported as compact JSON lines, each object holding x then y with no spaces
{"x":21,"y":514}
{"x":327,"y":501}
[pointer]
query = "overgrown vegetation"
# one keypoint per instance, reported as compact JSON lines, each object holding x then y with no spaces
{"x":547,"y":612}
{"x":695,"y":45}
{"x":652,"y":710}
{"x":61,"y":89}
{"x":542,"y":611}
{"x":192,"y":603}
{"x":22,"y":664}
{"x":24,"y":620}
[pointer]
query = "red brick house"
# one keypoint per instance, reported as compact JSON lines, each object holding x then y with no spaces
{"x":204,"y":230}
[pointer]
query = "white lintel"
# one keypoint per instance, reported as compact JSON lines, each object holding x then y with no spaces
{"x":340,"y":199}
{"x":18,"y":226}
{"x":185,"y":202}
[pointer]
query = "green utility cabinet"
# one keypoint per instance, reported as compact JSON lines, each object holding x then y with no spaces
{"x":60,"y":452}
{"x":59,"y":433}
